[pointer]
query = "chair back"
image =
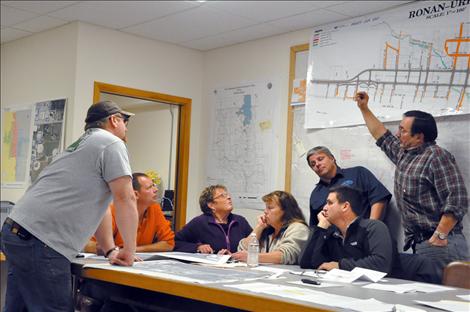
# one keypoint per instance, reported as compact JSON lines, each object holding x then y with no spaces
{"x":457,"y":274}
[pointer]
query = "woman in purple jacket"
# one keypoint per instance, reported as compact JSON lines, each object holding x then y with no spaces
{"x":217,"y":229}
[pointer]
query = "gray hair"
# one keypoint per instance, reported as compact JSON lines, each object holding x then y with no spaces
{"x":207,"y":196}
{"x":320,"y":149}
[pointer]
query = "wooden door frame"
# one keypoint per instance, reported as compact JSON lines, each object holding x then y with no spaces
{"x":184,"y":127}
{"x":290,"y":113}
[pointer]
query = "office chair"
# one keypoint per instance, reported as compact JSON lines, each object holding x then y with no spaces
{"x":457,"y":274}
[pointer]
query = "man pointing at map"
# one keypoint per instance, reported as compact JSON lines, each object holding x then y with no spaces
{"x":429,"y":188}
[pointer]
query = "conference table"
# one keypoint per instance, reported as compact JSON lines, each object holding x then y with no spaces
{"x":152,"y":291}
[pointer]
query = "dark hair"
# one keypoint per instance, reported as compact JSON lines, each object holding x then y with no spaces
{"x":288,"y":204}
{"x":348,"y":194}
{"x":97,"y":124}
{"x":423,"y":123}
{"x":135,"y":180}
{"x":207,"y":196}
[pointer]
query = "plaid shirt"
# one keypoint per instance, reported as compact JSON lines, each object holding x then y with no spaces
{"x":428,"y":184}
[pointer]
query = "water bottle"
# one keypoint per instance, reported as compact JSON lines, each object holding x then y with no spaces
{"x":253,"y":251}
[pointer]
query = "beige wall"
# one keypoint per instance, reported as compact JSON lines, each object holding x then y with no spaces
{"x":149,"y":146}
{"x":64,"y":62}
{"x":37,"y":68}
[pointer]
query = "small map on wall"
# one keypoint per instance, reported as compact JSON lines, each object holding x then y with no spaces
{"x":244,"y":141}
{"x":48,"y":129}
{"x":16,"y":143}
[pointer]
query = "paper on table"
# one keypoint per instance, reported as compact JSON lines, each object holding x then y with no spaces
{"x":195,"y":257}
{"x":399,"y":289}
{"x":430,"y":288}
{"x":314,"y":296}
{"x":225,"y":265}
{"x":370,"y":305}
{"x":448,"y":305}
{"x":410,"y":287}
{"x":177,"y":270}
{"x":405,"y":308}
{"x":464,"y":297}
{"x":270,"y":269}
{"x":350,"y":276}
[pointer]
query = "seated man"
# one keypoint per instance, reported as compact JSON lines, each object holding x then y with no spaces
{"x":154,"y":232}
{"x":342,"y":240}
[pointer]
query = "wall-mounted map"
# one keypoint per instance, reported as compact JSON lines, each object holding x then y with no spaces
{"x":412,"y":57}
{"x":49,"y":117}
{"x":31,"y":138}
{"x":16,"y":144}
{"x":244,"y":141}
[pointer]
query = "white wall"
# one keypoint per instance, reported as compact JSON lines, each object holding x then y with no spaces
{"x":149,"y":142}
{"x":37,"y":68}
{"x":256,"y":60}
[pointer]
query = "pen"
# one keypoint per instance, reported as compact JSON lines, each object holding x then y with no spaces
{"x":309,"y":281}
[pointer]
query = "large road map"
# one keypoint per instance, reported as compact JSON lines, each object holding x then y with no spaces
{"x":412,"y":57}
{"x":244,"y":141}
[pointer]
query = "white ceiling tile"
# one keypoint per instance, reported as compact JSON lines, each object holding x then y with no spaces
{"x":306,"y":20}
{"x":11,"y":16}
{"x":40,"y":7}
{"x":9,"y":34}
{"x":121,"y":14}
{"x":40,"y":23}
{"x":189,"y":25}
{"x":270,"y":9}
{"x":199,"y":25}
{"x":359,"y":8}
{"x":233,"y":37}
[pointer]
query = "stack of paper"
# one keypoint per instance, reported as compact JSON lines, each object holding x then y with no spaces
{"x":343,"y":276}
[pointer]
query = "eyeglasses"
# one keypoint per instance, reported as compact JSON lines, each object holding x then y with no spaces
{"x":222,"y":195}
{"x":151,"y":186}
{"x":124,"y":118}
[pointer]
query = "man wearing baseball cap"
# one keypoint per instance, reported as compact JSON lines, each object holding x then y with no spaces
{"x":64,"y":207}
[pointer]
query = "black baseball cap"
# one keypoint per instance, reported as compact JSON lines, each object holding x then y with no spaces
{"x":104,"y":109}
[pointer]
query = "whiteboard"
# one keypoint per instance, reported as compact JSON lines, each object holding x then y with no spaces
{"x":354,"y":146}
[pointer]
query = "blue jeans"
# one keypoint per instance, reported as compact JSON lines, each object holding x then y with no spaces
{"x":39,"y":278}
{"x":456,"y":249}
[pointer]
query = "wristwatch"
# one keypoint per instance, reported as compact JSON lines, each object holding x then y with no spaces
{"x":110,"y":251}
{"x":440,"y":235}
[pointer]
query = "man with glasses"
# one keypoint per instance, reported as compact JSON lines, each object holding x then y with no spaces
{"x":59,"y":212}
{"x":429,"y":188}
{"x":217,"y":229}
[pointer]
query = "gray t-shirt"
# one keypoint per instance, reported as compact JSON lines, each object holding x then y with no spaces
{"x":65,"y":205}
